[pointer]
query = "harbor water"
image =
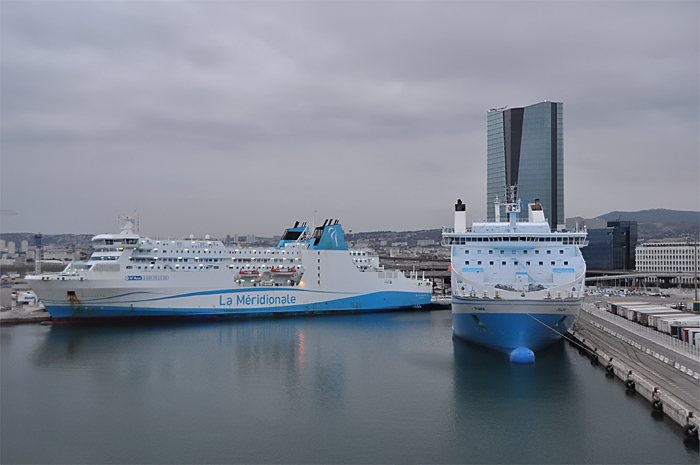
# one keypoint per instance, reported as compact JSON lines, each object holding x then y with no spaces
{"x":373,"y":388}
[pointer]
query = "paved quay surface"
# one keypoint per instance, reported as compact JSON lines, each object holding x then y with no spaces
{"x":667,"y":367}
{"x":24,"y":314}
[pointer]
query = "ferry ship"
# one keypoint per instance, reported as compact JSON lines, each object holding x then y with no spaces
{"x":516,"y":286}
{"x":311,"y":270}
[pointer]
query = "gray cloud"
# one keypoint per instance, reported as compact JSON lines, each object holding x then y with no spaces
{"x":238,"y":117}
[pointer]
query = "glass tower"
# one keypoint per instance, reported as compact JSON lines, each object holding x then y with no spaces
{"x":526,"y":147}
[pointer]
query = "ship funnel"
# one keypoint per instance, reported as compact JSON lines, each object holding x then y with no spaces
{"x":460,"y":217}
{"x":535,"y":212}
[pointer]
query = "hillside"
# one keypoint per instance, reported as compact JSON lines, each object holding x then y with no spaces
{"x":658,"y":215}
{"x":659,"y":223}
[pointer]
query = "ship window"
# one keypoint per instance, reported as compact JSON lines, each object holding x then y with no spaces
{"x":527,"y":263}
{"x":490,"y":252}
{"x":549,"y":252}
{"x":490,"y":263}
{"x":566,"y":263}
{"x":466,"y":252}
{"x":537,"y":251}
{"x":479,"y":262}
{"x":466,"y":262}
{"x":541,"y":263}
{"x":503,"y":263}
{"x":552,"y":263}
{"x":561,"y":252}
{"x":502,"y":252}
{"x":516,"y":262}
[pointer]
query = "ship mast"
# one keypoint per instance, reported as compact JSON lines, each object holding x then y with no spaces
{"x":512,"y":204}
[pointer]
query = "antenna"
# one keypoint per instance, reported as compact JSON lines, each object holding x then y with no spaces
{"x":306,"y":233}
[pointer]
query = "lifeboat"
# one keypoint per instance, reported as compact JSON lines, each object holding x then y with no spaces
{"x":249,"y":272}
{"x":282,"y":270}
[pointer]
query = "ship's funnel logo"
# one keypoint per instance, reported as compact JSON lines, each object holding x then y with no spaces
{"x":334,"y":233}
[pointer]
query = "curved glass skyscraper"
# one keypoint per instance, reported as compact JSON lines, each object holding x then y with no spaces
{"x":526,"y":147}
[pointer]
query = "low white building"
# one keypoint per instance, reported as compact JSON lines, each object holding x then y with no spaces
{"x":62,"y":255}
{"x":669,"y":255}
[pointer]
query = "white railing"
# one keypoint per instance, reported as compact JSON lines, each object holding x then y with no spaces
{"x":664,"y":340}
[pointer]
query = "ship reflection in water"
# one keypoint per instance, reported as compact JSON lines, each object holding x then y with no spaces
{"x":353,"y":388}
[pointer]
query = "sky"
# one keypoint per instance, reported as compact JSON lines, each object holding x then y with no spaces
{"x":235,"y":117}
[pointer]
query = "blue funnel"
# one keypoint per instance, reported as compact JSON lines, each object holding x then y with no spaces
{"x":522,"y":355}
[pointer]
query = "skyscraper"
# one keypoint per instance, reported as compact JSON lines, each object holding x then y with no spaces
{"x":526,"y":147}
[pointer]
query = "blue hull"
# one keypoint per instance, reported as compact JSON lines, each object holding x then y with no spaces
{"x":143,"y":308}
{"x":508,"y":331}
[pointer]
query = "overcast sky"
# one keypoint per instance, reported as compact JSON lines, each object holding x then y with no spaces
{"x":222,"y":117}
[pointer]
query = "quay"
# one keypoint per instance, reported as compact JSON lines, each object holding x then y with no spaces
{"x":660,"y":368}
{"x":12,"y":312}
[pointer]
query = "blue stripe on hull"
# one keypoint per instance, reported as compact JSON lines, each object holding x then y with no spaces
{"x":508,"y":331}
{"x":376,"y":302}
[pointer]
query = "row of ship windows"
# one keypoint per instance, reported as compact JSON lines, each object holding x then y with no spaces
{"x":176,"y":260}
{"x":188,"y":251}
{"x":467,"y":262}
{"x":564,"y":240}
{"x":514,"y":252}
{"x":167,"y":267}
{"x":116,"y":241}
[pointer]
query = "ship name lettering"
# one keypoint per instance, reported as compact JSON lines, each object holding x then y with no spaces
{"x":481,"y":309}
{"x":261,"y":299}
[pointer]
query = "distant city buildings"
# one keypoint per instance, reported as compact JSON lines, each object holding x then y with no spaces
{"x":526,"y":147}
{"x":669,"y":255}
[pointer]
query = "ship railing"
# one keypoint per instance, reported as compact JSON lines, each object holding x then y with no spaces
{"x":74,"y":269}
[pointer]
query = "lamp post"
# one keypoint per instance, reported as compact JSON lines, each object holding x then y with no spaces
{"x":696,"y":264}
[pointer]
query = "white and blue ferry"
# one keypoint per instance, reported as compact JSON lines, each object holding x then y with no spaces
{"x":311,"y":270}
{"x":516,"y":286}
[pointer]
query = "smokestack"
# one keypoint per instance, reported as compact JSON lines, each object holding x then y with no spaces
{"x":460,"y":217}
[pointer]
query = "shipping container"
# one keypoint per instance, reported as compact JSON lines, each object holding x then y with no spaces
{"x":652,"y":319}
{"x":677,"y":330}
{"x":664,"y":323}
{"x":614,"y":305}
{"x":646,"y":318}
{"x":689,"y":334}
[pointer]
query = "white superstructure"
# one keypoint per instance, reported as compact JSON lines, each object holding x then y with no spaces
{"x":516,"y":286}
{"x":309,"y":271}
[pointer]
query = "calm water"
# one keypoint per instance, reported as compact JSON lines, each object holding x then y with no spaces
{"x":389,"y":388}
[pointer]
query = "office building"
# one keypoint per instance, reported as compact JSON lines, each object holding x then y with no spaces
{"x":526,"y":148}
{"x":670,"y":256}
{"x":611,"y":244}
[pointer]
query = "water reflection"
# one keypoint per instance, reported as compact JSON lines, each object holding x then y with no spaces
{"x":389,"y":388}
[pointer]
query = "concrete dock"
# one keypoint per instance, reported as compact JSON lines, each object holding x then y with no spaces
{"x":12,"y":312}
{"x":662,"y":369}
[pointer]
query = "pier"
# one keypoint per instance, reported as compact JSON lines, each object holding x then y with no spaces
{"x":660,"y":368}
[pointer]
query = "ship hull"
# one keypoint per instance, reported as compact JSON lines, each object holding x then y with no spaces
{"x":507,"y":325}
{"x":106,"y":303}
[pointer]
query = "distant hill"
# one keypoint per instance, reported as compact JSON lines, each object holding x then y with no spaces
{"x":660,"y":223}
{"x":658,"y":215}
